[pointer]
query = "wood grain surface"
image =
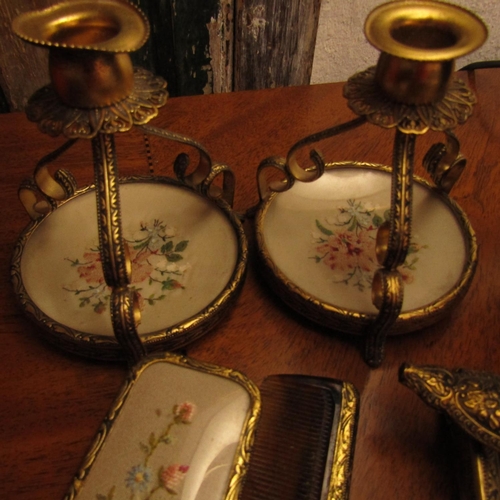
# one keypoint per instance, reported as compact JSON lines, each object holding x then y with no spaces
{"x":51,"y":403}
{"x":274,"y":42}
{"x":24,"y":67}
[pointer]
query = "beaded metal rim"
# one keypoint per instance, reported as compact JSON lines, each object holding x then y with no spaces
{"x":130,"y":28}
{"x":467,"y":33}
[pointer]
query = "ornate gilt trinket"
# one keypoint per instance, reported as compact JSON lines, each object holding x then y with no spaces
{"x":372,"y":284}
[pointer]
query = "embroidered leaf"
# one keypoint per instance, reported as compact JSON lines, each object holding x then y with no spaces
{"x":181,"y":246}
{"x":323,"y":229}
{"x":170,"y":284}
{"x":174,"y":257}
{"x":354,"y":225}
{"x":411,"y":265}
{"x":109,"y":496}
{"x":144,"y":447}
{"x":168,"y":247}
{"x":152,"y":439}
{"x":387,"y":215}
{"x":377,"y":220}
{"x":141,"y":245}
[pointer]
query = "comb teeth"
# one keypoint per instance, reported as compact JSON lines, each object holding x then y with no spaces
{"x":292,"y":443}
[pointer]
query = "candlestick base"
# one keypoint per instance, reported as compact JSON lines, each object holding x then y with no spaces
{"x":188,"y":257}
{"x":317,"y":244}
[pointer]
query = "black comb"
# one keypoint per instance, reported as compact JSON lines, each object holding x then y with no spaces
{"x":304,"y":440}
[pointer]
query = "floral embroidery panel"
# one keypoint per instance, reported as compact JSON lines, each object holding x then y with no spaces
{"x":158,"y":266}
{"x":141,"y":480}
{"x":345,"y":243}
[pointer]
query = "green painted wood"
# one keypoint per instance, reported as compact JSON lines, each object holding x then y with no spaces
{"x":183,"y":42}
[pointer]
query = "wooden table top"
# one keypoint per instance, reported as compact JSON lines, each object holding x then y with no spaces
{"x":52,"y":403}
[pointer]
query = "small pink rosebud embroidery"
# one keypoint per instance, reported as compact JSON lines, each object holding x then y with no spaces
{"x":183,"y":413}
{"x":172,"y":477}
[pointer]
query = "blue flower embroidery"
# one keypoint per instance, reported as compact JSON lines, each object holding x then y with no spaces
{"x":138,"y":478}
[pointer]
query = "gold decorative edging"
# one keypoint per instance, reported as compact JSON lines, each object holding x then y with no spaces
{"x":54,"y":117}
{"x":115,"y":265}
{"x":365,"y":98}
{"x":344,"y":444}
{"x":242,"y":456}
{"x":470,"y":398}
{"x":134,"y":25}
{"x":354,"y":322}
{"x":470,"y":401}
{"x":106,"y":347}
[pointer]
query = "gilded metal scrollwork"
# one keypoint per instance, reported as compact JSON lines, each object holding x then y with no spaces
{"x":411,"y":90}
{"x":387,"y":296}
{"x":470,"y":398}
{"x":471,"y":402}
{"x":142,"y":105}
{"x":40,"y":194}
{"x":125,"y":316}
{"x":95,"y":93}
{"x":365,"y":98}
{"x":343,"y":456}
{"x":393,"y":241}
{"x":445,"y":163}
{"x":290,"y":167}
{"x":205,"y":172}
{"x":116,"y":264}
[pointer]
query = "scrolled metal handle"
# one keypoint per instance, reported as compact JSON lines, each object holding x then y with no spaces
{"x":213,"y":191}
{"x":445,"y":163}
{"x":40,"y":194}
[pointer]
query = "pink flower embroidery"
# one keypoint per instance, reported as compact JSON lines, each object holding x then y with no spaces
{"x":172,"y":477}
{"x":349,"y":250}
{"x":141,"y":268}
{"x":406,"y":275}
{"x":157,"y":262}
{"x":183,"y":413}
{"x":91,"y":271}
{"x":346,"y":241}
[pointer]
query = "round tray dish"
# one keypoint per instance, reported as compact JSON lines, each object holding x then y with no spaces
{"x":317,"y":243}
{"x":188,"y":262}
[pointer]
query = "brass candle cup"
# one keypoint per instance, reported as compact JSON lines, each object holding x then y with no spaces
{"x":90,"y":79}
{"x":413,"y":82}
{"x":419,"y":41}
{"x":88,"y":43}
